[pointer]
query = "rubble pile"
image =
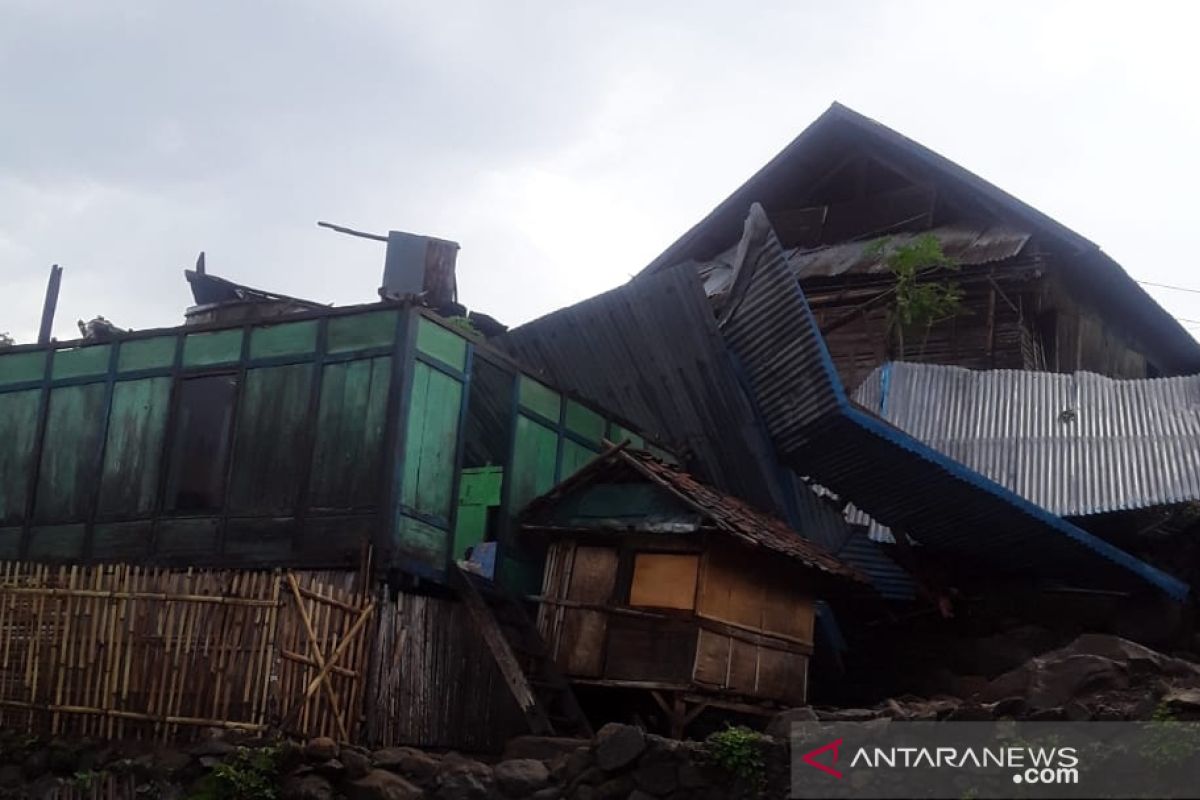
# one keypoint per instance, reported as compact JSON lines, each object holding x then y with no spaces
{"x":1094,"y":677}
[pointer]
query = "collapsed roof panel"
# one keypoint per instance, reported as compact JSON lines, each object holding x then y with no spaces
{"x":1075,"y":445}
{"x":899,"y":480}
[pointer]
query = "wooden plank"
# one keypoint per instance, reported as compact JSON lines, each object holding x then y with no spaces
{"x":712,"y":659}
{"x":136,"y":424}
{"x":650,"y":649}
{"x":664,"y":580}
{"x":743,"y":667}
{"x":349,"y":435}
{"x":18,"y":429}
{"x":505,"y":659}
{"x":431,"y":441}
{"x":70,"y":448}
{"x":268,"y":456}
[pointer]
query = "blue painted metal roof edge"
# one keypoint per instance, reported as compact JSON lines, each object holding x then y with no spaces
{"x":1169,"y":584}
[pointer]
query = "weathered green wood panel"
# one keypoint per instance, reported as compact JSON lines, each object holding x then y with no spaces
{"x":10,"y":544}
{"x":123,"y":541}
{"x":257,"y":542}
{"x":335,"y":540}
{"x":56,"y":542}
{"x":618,"y":434}
{"x":430,"y":442}
{"x":442,"y":344}
{"x":79,"y":362}
{"x":200,"y":442}
{"x":422,"y":542}
{"x":156,"y":353}
{"x":18,"y":431}
{"x":533,"y":462}
{"x":574,"y":457}
{"x":361,"y":331}
{"x":217,"y":347}
{"x":268,"y":447}
{"x":22,"y":367}
{"x":539,"y":398}
{"x":187,"y":541}
{"x":74,"y":427}
{"x":287,"y":339}
{"x":347,"y":460}
{"x":133,"y":449}
{"x":479,"y":488}
{"x":583,"y":421}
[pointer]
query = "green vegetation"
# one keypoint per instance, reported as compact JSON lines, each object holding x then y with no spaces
{"x":250,"y":774}
{"x":920,"y":302}
{"x":738,"y":751}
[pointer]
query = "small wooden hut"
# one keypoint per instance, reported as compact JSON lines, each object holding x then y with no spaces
{"x":656,"y":582}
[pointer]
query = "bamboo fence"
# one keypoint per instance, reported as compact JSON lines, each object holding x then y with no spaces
{"x":124,"y":651}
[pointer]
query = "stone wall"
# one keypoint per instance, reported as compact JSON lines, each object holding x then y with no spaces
{"x":621,"y":762}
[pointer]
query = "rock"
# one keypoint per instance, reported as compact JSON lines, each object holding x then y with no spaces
{"x":543,"y":748}
{"x":520,"y":777}
{"x":1075,"y":711}
{"x":332,"y":769}
{"x":574,"y":765}
{"x":618,"y":746}
{"x":780,"y":725}
{"x":1059,"y":677}
{"x":321,"y":748}
{"x":212,"y":747}
{"x":172,"y":763}
{"x":63,"y":759}
{"x":658,"y":778}
{"x":690,"y":776}
{"x":614,"y":789}
{"x":1009,"y":708}
{"x":463,"y":779}
{"x":379,"y":784}
{"x":357,"y":764}
{"x":416,"y":765}
{"x":969,"y":712}
{"x":11,"y":776}
{"x":638,"y":794}
{"x":1186,"y":700}
{"x":549,"y":793}
{"x":36,"y":763}
{"x":846,"y":714}
{"x":584,"y":792}
{"x":306,"y":787}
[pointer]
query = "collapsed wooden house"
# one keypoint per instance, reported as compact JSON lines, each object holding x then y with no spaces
{"x":655,"y":582}
{"x":1035,"y":295}
{"x":254,"y":520}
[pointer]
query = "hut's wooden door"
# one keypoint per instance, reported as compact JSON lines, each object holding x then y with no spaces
{"x":581,"y":643}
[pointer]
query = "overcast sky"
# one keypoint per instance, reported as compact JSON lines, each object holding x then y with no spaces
{"x":564,"y":145}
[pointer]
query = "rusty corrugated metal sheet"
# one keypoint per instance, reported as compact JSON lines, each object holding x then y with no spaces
{"x":965,"y":245}
{"x":892,"y":476}
{"x":1074,"y":444}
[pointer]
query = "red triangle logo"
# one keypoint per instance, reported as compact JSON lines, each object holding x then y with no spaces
{"x":810,"y":758}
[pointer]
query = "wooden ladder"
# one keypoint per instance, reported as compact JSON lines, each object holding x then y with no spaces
{"x":541,"y":691}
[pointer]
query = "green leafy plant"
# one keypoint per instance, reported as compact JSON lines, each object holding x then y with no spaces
{"x":250,"y":774}
{"x":920,"y":302}
{"x":464,"y":324}
{"x":738,"y":751}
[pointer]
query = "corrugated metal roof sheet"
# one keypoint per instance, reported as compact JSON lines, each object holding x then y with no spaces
{"x":651,"y":351}
{"x":889,"y":474}
{"x":727,"y":513}
{"x":965,"y":245}
{"x":1073,"y":444}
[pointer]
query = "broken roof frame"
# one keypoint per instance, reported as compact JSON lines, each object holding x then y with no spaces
{"x":730,"y":515}
{"x":820,"y":432}
{"x":1099,"y":272}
